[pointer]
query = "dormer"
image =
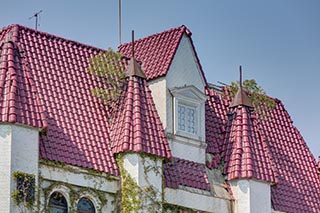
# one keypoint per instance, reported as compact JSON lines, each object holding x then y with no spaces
{"x":188,"y":111}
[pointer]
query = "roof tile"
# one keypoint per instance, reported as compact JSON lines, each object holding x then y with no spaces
{"x":185,"y":173}
{"x":293,"y":163}
{"x":136,"y":125}
{"x":52,"y":90}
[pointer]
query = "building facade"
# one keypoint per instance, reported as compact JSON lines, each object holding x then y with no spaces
{"x":169,"y":143}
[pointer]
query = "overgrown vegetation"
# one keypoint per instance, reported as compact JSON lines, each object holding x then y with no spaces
{"x":134,"y":198}
{"x":256,"y":94}
{"x":108,"y":66}
{"x":24,"y":195}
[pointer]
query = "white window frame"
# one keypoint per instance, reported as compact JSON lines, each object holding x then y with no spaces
{"x":188,"y":104}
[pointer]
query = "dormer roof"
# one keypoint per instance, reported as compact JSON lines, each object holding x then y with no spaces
{"x":157,"y":51}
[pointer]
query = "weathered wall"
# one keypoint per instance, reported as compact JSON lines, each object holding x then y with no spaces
{"x":146,"y":172}
{"x":19,"y":151}
{"x":251,"y":196}
{"x":207,"y":203}
{"x":75,"y":183}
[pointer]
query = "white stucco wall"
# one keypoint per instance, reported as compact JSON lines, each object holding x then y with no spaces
{"x":251,"y":196}
{"x":81,"y":181}
{"x":197,"y":201}
{"x":159,"y":95}
{"x":145,"y":172}
{"x":186,"y":148}
{"x":19,"y":151}
{"x":184,"y":69}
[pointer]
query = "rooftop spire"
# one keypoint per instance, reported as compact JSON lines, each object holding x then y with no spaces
{"x":134,"y":68}
{"x":241,"y":98}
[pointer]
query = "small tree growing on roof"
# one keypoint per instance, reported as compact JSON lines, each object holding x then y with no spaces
{"x":256,"y":94}
{"x":108,"y":66}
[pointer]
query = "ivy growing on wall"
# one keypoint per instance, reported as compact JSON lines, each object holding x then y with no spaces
{"x":134,"y":198}
{"x":24,"y":194}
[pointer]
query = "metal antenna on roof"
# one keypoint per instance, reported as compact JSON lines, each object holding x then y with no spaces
{"x":119,"y":11}
{"x":240,"y":77}
{"x":36,"y":15}
{"x":132,"y":51}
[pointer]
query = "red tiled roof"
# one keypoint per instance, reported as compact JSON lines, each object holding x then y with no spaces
{"x":77,"y":131}
{"x":298,"y":187}
{"x":185,"y":173}
{"x":157,"y":51}
{"x":245,"y":153}
{"x":136,"y":126}
{"x":19,"y":101}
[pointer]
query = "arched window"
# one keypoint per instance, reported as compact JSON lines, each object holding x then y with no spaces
{"x":85,"y":206}
{"x":58,"y":203}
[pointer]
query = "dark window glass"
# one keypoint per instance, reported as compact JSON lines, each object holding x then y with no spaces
{"x":85,"y":206}
{"x":57,"y":203}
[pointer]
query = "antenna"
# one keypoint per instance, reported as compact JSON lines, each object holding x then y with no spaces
{"x":240,"y":77}
{"x":119,"y":11}
{"x":36,"y":15}
{"x":132,"y":51}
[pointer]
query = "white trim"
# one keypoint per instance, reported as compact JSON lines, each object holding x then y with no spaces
{"x":192,"y":97}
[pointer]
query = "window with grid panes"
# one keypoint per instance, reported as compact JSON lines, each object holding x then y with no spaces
{"x":187,"y":119}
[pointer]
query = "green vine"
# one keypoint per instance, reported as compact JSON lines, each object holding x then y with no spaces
{"x":24,"y":194}
{"x":133,"y":197}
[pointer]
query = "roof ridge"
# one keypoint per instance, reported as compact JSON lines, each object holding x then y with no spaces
{"x":48,"y":35}
{"x":182,"y":28}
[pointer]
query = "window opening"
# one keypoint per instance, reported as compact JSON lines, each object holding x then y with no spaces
{"x":85,"y":206}
{"x":58,"y":203}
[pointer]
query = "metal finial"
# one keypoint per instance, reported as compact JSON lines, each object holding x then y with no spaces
{"x":132,"y":44}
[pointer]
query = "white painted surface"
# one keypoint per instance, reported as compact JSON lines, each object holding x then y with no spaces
{"x":251,"y":196}
{"x":159,"y":93}
{"x":5,"y":167}
{"x":196,"y":201}
{"x":145,"y":172}
{"x":186,"y":148}
{"x":82,"y":181}
{"x":79,"y":177}
{"x":19,"y":151}
{"x":184,"y":69}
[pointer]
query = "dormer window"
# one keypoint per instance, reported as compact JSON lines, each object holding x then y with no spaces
{"x":188,"y":112}
{"x":187,"y":119}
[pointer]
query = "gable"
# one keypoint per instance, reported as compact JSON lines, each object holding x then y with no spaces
{"x":185,"y":68}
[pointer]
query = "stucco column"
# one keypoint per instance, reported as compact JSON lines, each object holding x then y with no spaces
{"x":19,"y":151}
{"x":141,"y":183}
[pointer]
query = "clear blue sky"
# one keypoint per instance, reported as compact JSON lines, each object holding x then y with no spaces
{"x":276,"y":41}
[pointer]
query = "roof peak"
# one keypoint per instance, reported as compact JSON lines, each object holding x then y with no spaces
{"x":134,"y":69}
{"x":241,"y":98}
